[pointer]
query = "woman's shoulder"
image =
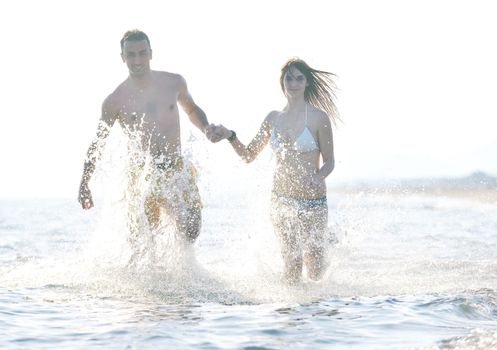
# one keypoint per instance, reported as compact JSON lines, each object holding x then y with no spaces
{"x":317,"y":113}
{"x":272,"y":116}
{"x":318,"y":116}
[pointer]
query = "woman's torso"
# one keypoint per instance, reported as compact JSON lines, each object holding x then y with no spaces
{"x":295,"y":144}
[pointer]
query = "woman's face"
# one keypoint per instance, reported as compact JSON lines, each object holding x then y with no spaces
{"x":294,"y":83}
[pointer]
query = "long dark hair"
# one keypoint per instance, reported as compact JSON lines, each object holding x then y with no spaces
{"x":321,"y":89}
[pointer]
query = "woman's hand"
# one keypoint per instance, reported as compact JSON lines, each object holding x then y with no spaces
{"x":316,"y":181}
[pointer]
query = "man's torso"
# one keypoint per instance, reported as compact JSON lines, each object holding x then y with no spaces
{"x":150,"y":112}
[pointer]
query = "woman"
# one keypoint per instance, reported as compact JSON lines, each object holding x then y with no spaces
{"x":300,"y":137}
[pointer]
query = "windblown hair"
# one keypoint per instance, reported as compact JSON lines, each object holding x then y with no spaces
{"x":321,"y":89}
{"x":134,"y":35}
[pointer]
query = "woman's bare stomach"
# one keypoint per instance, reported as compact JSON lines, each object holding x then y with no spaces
{"x":296,"y":183}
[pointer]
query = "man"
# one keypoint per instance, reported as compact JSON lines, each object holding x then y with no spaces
{"x":146,"y":107}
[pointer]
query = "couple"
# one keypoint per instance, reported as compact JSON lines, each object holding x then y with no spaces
{"x":300,"y":136}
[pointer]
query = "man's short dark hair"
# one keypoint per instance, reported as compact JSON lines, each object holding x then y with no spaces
{"x":134,"y":35}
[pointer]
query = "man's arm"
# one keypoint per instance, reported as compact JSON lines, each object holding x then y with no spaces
{"x":95,"y":151}
{"x":194,"y":112}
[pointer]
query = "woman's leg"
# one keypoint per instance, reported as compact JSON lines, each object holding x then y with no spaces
{"x":286,"y":225}
{"x":315,"y":224}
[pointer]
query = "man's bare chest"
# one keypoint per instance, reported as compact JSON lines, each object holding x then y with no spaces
{"x":148,"y":109}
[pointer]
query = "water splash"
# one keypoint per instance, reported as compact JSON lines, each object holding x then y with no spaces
{"x":385,"y":244}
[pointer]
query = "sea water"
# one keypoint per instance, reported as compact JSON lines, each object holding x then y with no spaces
{"x":406,"y":271}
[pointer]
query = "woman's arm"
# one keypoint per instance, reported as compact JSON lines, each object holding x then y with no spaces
{"x":250,"y":152}
{"x":325,"y":141}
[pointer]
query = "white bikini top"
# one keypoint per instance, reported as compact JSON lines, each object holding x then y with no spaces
{"x":305,"y":142}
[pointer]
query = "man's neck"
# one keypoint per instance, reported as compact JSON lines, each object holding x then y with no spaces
{"x":142,"y":80}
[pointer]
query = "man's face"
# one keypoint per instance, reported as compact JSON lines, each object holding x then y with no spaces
{"x":137,"y":56}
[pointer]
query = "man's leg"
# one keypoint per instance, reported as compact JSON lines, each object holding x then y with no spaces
{"x":183,"y":203}
{"x":152,"y":211}
{"x":188,"y":223}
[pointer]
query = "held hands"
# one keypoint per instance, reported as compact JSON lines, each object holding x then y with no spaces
{"x":216,"y":133}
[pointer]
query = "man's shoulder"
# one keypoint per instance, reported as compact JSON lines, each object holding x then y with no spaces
{"x":120,"y":90}
{"x":114,"y":96}
{"x":168,"y":76}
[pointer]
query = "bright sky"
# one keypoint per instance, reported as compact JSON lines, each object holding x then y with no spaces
{"x":417,"y":78}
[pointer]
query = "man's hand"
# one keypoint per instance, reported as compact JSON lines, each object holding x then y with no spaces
{"x":216,"y":133}
{"x":84,"y":196}
{"x":223,"y":132}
